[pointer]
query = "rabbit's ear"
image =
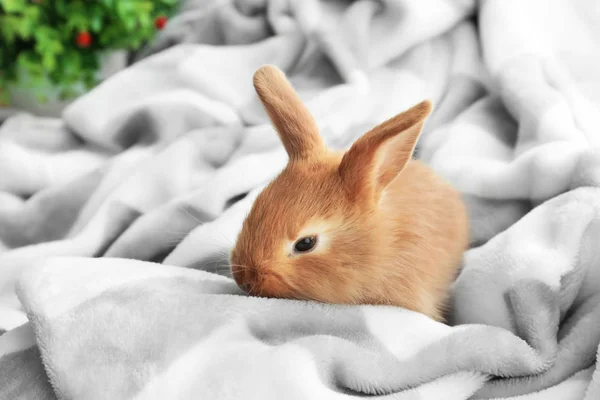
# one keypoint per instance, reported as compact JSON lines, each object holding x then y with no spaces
{"x":292,"y":120}
{"x":376,"y":158}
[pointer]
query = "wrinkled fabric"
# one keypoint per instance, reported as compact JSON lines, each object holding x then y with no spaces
{"x":116,"y":220}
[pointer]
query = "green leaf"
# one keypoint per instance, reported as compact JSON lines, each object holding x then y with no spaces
{"x":78,"y":22}
{"x":145,"y":20}
{"x":144,"y":7}
{"x":44,"y":33}
{"x":10,"y":26}
{"x":37,"y":40}
{"x":49,"y":62}
{"x":130,"y":23}
{"x":27,"y":59}
{"x":71,"y":63}
{"x":30,"y":61}
{"x":97,"y":19}
{"x":90,"y":81}
{"x":48,"y":46}
{"x":32,"y":13}
{"x":61,"y":7}
{"x":26,"y":29}
{"x":13,"y":6}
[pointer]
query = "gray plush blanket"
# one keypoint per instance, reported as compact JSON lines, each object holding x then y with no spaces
{"x":115,"y":221}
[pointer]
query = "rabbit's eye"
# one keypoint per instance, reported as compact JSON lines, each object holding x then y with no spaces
{"x":305,"y":244}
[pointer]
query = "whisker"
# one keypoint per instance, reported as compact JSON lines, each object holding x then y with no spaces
{"x":244,"y":267}
{"x":200,"y":222}
{"x":225,"y":237}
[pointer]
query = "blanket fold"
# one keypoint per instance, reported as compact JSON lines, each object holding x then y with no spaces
{"x":117,"y":219}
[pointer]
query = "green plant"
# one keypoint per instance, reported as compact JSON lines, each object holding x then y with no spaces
{"x":58,"y":42}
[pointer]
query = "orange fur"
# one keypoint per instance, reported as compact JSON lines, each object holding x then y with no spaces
{"x":390,"y":230}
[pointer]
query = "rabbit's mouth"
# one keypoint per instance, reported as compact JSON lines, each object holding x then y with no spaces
{"x":261,"y":284}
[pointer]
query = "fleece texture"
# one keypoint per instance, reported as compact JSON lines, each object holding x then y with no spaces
{"x":116,"y":219}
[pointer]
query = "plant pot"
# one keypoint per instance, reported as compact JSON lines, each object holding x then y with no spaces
{"x":27,"y":99}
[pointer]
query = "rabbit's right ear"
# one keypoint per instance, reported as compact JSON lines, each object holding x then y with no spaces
{"x":295,"y":125}
{"x":377,"y":157}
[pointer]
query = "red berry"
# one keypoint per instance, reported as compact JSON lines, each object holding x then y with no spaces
{"x":84,"y":39}
{"x":160,"y":22}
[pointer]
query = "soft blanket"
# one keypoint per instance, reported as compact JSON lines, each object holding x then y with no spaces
{"x":115,"y":221}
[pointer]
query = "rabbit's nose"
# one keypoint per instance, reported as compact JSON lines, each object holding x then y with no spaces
{"x":245,"y":287}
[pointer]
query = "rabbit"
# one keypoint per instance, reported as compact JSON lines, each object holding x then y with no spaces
{"x":369,"y":225}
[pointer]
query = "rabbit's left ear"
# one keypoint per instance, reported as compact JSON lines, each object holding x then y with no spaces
{"x":376,"y":158}
{"x":295,"y":125}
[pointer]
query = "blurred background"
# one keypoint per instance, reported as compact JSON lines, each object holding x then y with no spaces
{"x":52,"y":51}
